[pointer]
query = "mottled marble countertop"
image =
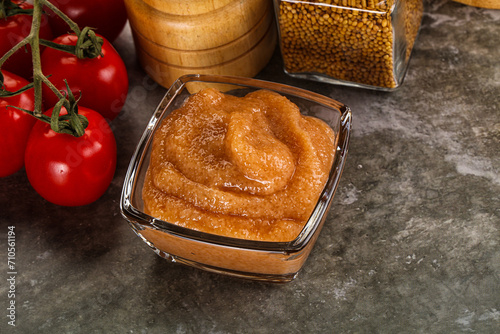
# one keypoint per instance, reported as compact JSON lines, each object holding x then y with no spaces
{"x":411,"y":243}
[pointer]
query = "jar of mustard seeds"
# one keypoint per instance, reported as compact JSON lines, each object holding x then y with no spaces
{"x":361,"y":43}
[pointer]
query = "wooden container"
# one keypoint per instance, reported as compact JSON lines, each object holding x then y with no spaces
{"x":187,"y":7}
{"x":491,"y":4}
{"x":226,"y":37}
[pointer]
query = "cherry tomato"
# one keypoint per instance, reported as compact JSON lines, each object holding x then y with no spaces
{"x":68,"y":170}
{"x":14,"y":29}
{"x":15,"y":124}
{"x":107,"y":17}
{"x":102,"y":81}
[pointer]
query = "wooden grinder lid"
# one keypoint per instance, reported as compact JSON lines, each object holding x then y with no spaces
{"x":491,"y":4}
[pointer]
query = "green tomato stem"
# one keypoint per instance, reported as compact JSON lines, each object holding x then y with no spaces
{"x":53,"y":88}
{"x":89,"y":46}
{"x":72,"y":25}
{"x":8,"y":8}
{"x":35,"y":51}
{"x":15,"y":48}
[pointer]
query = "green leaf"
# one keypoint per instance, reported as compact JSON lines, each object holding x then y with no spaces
{"x":8,"y":8}
{"x":43,"y":118}
{"x":61,"y":47}
{"x":5,"y":93}
{"x":89,"y":45}
{"x":54,"y":119}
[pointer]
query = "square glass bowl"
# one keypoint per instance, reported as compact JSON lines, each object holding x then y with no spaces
{"x":258,"y":260}
{"x":360,"y":43}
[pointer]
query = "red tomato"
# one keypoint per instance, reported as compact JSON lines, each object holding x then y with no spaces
{"x":15,"y":125}
{"x":14,"y":29}
{"x":68,"y":170}
{"x":107,"y":17}
{"x":102,"y":81}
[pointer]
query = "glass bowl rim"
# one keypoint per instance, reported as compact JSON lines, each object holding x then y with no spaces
{"x":138,"y":219}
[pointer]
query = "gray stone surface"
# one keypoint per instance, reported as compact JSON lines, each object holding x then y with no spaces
{"x":411,"y":244}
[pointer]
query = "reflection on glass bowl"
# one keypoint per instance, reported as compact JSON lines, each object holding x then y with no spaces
{"x":276,"y":261}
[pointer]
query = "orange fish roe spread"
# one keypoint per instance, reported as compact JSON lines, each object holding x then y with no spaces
{"x":249,"y":167}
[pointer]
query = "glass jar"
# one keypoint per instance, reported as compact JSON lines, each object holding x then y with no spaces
{"x":361,"y":43}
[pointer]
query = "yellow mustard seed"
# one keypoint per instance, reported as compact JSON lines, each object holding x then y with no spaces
{"x":350,"y":40}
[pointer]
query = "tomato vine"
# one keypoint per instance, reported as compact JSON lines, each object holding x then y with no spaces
{"x":88,"y":46}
